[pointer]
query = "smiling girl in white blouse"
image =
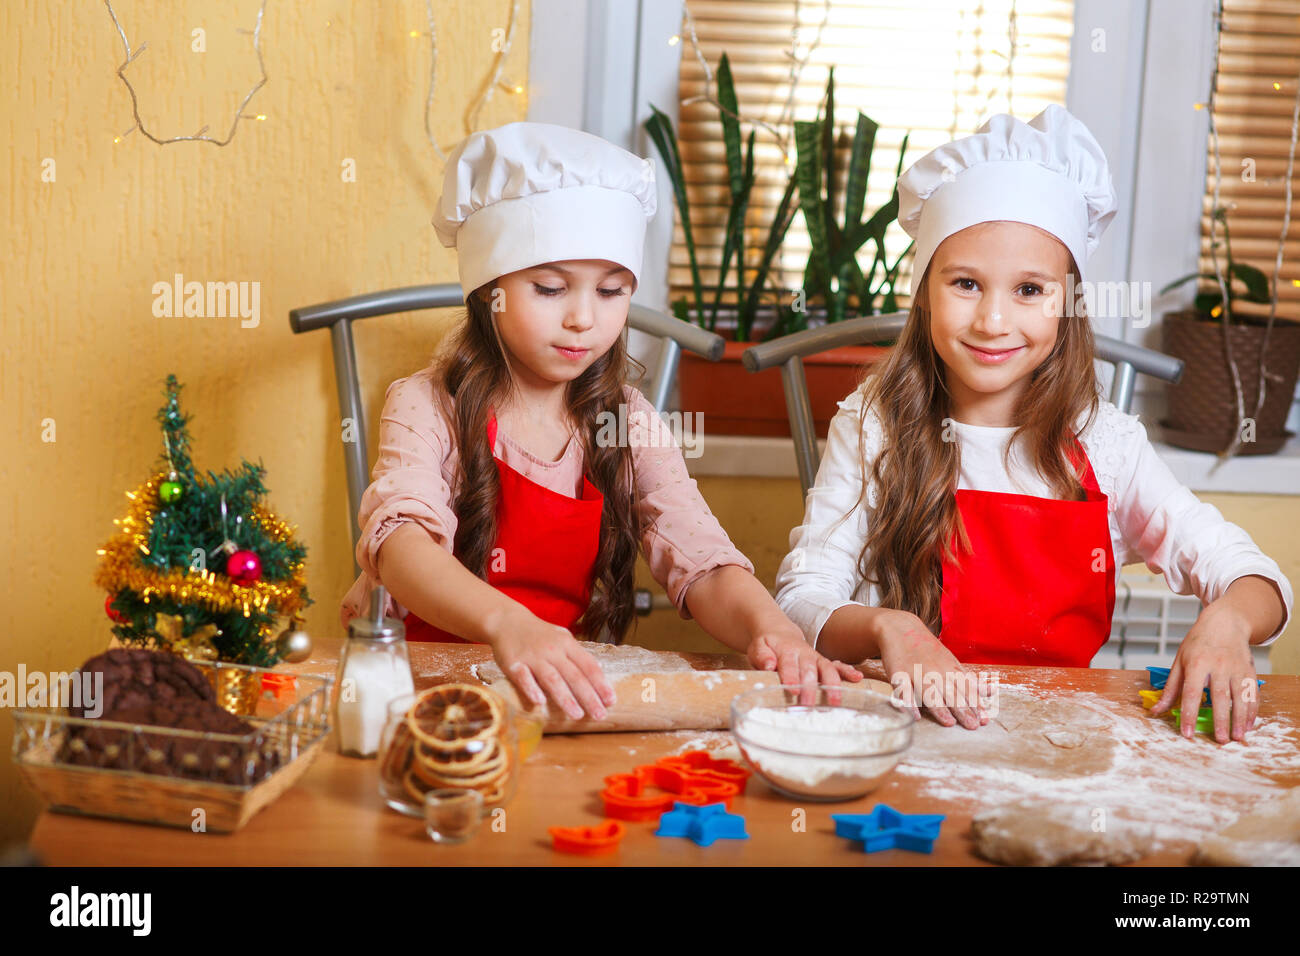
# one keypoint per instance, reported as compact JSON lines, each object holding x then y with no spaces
{"x":977,"y":498}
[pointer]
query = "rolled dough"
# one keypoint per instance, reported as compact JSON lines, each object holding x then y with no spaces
{"x":1267,"y":836}
{"x":1055,"y":738}
{"x":1045,"y":833}
{"x":1045,"y":737}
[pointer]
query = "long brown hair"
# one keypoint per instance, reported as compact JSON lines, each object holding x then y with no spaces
{"x":916,"y":521}
{"x":476,"y":378}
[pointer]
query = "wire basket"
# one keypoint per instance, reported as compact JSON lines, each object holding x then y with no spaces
{"x":172,"y":776}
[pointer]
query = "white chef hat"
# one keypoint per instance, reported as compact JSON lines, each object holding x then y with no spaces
{"x":1049,"y":172}
{"x":528,"y":193}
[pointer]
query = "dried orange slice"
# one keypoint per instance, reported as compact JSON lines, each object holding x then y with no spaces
{"x":447,"y":717}
{"x":476,"y":755}
{"x":482,"y":782}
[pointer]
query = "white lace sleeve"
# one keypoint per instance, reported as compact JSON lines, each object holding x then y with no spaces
{"x":820,"y":574}
{"x":1160,"y":521}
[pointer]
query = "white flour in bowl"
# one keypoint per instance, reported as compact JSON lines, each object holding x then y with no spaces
{"x":809,"y":746}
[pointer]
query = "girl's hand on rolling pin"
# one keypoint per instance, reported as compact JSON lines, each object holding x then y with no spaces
{"x":906,"y":644}
{"x":795,"y":662}
{"x":536,"y":654}
{"x":1216,"y":650}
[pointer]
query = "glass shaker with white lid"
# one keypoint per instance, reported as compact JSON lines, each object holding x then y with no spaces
{"x":374,"y":668}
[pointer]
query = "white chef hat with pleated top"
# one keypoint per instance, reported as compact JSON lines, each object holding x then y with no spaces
{"x":1050,"y":173}
{"x":525,"y":194}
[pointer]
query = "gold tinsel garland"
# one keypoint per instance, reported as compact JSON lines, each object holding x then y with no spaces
{"x":120,"y":568}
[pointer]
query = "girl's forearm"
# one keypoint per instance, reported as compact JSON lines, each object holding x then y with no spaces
{"x":855,"y":633}
{"x":1255,"y":600}
{"x":426,"y":578}
{"x":851,"y":634}
{"x":733,"y":607}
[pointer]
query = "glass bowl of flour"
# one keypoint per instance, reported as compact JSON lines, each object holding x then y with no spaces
{"x":827,"y":743}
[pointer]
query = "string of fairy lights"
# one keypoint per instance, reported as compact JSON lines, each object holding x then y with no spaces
{"x":471,"y":117}
{"x":779,"y":128}
{"x":200,"y":136}
{"x":493,"y":83}
{"x":1224,"y":310}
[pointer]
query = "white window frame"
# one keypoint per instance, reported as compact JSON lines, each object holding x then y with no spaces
{"x":598,"y":64}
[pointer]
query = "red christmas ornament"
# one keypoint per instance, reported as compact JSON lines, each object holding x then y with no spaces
{"x":244,"y":567}
{"x":117,"y":616}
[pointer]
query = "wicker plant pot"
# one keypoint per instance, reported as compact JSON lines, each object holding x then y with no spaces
{"x":1202,"y":412}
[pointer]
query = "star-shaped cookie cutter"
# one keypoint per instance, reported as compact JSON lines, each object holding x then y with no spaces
{"x":885,"y":828}
{"x":703,"y":824}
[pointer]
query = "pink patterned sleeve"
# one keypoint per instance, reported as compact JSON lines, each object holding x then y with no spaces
{"x":407,"y":481}
{"x":682,"y":539}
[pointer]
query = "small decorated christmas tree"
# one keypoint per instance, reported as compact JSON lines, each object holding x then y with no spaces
{"x":199,"y":567}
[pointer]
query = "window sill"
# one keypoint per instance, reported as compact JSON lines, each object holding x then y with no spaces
{"x":1279,"y":474}
{"x":1276,"y":474}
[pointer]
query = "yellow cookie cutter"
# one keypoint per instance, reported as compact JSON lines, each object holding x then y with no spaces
{"x":1204,"y":718}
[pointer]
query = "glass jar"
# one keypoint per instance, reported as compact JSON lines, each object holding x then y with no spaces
{"x":374,"y":669}
{"x":487,"y":761}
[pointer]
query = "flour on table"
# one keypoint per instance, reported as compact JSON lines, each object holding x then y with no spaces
{"x":1267,"y":836}
{"x":710,"y":740}
{"x":1085,"y":750}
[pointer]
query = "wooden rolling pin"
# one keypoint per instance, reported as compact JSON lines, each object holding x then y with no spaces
{"x":654,"y":690}
{"x":653,"y":700}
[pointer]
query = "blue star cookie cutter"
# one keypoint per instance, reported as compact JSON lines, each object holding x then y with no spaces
{"x":885,"y":828}
{"x":702,"y":824}
{"x":1159,"y":676}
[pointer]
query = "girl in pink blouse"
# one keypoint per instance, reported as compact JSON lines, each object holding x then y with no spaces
{"x":506,"y":507}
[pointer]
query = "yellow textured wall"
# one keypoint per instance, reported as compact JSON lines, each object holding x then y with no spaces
{"x":81,"y":345}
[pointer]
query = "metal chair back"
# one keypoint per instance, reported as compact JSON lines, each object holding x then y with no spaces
{"x":789,"y":351}
{"x":338,"y":317}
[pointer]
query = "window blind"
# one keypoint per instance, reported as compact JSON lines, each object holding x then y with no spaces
{"x":934,"y":69}
{"x":1260,"y":47}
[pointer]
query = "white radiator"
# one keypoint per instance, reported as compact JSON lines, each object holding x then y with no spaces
{"x":1149,"y":623}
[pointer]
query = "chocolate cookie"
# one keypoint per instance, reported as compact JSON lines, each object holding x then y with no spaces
{"x":158,"y":689}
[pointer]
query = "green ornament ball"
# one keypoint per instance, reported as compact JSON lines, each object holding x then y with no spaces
{"x":170,"y":491}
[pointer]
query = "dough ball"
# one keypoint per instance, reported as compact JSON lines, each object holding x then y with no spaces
{"x":1048,"y":833}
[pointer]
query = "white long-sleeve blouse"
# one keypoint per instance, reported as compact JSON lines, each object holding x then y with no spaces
{"x":1153,"y":517}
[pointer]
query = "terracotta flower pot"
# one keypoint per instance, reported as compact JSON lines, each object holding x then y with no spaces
{"x":1202,"y":412}
{"x":734,"y":401}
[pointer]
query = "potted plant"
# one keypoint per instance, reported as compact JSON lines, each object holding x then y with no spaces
{"x":1213,"y":339}
{"x":733,"y":400}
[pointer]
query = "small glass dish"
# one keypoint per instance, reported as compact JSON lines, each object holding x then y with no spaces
{"x":452,"y":815}
{"x":824,"y":743}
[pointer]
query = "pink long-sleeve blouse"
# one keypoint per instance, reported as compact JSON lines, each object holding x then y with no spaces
{"x":413,"y":480}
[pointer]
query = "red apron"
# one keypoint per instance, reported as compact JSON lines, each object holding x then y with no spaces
{"x":1038,"y":586}
{"x":545,"y":550}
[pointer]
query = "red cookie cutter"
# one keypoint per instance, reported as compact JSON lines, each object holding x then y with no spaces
{"x":278,"y":684}
{"x":627,"y":796}
{"x":702,"y":763}
{"x":587,"y":840}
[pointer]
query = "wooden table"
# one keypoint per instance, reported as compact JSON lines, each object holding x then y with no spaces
{"x":334,"y":815}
